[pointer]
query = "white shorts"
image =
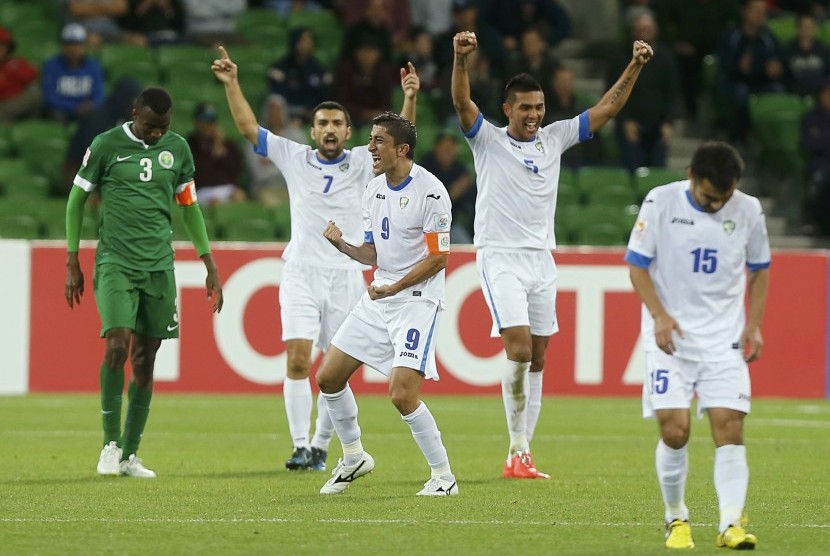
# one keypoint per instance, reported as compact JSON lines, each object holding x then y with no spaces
{"x":671,"y":382}
{"x":314,"y":300}
{"x":385,"y":335}
{"x":520,"y":289}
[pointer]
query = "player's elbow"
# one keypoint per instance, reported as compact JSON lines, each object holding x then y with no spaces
{"x":440,"y":262}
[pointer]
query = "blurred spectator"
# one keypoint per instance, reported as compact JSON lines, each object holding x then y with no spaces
{"x":19,"y":90}
{"x":806,"y":58}
{"x":511,"y":17}
{"x":373,"y":26}
{"x":117,"y":109}
{"x":153,"y":22}
{"x":285,"y":7}
{"x":465,"y":17}
{"x":213,"y":22}
{"x":562,"y":103}
{"x":815,"y":140}
{"x":693,"y":29}
{"x":820,"y":9}
{"x":644,"y":125}
{"x":98,"y":17}
{"x":299,"y":77}
{"x":485,"y":87}
{"x":749,"y":62}
{"x":534,"y":57}
{"x":267,"y":182}
{"x":387,"y":17}
{"x":218,"y":161}
{"x":363,"y":83}
{"x":421,"y":54}
{"x":72,"y":81}
{"x":434,"y":16}
{"x":443,"y":163}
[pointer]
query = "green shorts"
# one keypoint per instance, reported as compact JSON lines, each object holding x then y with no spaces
{"x":144,"y":302}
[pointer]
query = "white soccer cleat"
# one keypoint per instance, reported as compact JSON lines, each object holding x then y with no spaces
{"x":343,"y":474}
{"x":134,"y":468}
{"x":439,"y":487}
{"x":108,"y":460}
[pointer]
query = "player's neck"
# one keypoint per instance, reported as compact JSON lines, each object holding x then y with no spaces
{"x":399,"y":173}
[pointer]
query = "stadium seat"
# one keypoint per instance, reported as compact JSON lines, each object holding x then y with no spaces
{"x":646,"y":179}
{"x":19,"y":226}
{"x":5,"y":146}
{"x":262,"y":27}
{"x":594,"y":182}
{"x":13,"y":14}
{"x":13,"y":173}
{"x":192,"y":60}
{"x":783,"y":28}
{"x":282,"y":218}
{"x":245,"y":221}
{"x":569,"y":193}
{"x":776,"y":120}
{"x":119,"y":60}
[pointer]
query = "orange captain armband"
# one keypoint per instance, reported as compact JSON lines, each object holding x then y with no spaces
{"x":186,"y":194}
{"x":438,"y":243}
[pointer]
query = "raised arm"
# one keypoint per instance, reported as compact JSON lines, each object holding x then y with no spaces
{"x":226,"y":72}
{"x":410,"y":85}
{"x":364,"y":253}
{"x":463,"y":44}
{"x":615,"y":98}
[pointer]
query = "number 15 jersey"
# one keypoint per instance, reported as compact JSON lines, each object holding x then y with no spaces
{"x":698,"y":262}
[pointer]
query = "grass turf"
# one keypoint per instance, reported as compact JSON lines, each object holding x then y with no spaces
{"x":223,"y":489}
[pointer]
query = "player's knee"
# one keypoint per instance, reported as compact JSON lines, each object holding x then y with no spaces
{"x":675,"y":435}
{"x":298,"y":367}
{"x":327,"y":383}
{"x":403,"y":400}
{"x":116,"y":353}
{"x":518,"y":351}
{"x":537,"y":364}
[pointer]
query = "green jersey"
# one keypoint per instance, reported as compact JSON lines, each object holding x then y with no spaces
{"x":137,"y":183}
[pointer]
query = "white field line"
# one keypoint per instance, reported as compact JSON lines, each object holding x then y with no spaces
{"x":511,"y":523}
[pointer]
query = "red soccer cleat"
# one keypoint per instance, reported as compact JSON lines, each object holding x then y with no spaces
{"x":523,"y":467}
{"x":507,"y":472}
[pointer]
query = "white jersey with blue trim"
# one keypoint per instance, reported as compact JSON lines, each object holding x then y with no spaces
{"x":320,"y":190}
{"x":395,"y":219}
{"x":698,"y":261}
{"x":518,"y":182}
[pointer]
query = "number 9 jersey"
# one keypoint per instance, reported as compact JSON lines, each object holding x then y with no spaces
{"x":697,"y":261}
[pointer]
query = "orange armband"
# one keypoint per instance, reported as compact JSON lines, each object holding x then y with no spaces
{"x":186,"y":194}
{"x":438,"y":243}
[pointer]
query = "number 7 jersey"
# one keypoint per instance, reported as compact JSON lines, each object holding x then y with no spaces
{"x":698,"y":262}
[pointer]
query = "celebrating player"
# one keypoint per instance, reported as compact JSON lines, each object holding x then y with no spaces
{"x":319,"y":285}
{"x":689,"y":254}
{"x":138,"y":168}
{"x":406,"y":218}
{"x":518,"y":176}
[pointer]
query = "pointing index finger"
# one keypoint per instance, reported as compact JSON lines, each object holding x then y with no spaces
{"x":224,"y":53}
{"x":411,"y":68}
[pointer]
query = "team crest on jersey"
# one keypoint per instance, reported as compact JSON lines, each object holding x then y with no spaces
{"x":540,"y":147}
{"x":729,"y":227}
{"x":640,"y":226}
{"x":166,"y":159}
{"x":344,"y":167}
{"x":404,"y":202}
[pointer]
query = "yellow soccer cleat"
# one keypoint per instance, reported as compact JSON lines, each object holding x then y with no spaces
{"x":737,"y":538}
{"x":679,"y":534}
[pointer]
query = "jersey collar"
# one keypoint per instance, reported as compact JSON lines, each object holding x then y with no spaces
{"x":131,"y":135}
{"x":335,"y":161}
{"x":692,"y":202}
{"x":401,"y":185}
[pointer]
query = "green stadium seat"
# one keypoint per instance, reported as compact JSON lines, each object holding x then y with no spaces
{"x":174,"y":60}
{"x":646,"y":179}
{"x":13,"y":173}
{"x":31,"y":187}
{"x":5,"y":146}
{"x":245,"y":221}
{"x":783,"y":28}
{"x":19,"y":226}
{"x":14,"y":14}
{"x":264,"y":28}
{"x":776,"y":120}
{"x":282,"y":217}
{"x":569,"y":193}
{"x":595,"y":182}
{"x":121,"y":59}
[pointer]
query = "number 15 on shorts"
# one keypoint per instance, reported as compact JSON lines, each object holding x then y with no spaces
{"x":658,"y":381}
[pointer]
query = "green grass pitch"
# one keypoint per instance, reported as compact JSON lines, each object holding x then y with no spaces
{"x":222,"y":488}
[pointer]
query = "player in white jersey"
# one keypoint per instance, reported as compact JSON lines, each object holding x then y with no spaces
{"x":689,"y":254}
{"x":319,"y":286}
{"x":406,"y":215}
{"x":517,"y":170}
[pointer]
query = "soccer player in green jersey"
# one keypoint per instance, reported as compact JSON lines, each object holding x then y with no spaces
{"x":138,"y":168}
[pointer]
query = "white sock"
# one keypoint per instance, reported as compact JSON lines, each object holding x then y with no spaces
{"x":514,"y":387}
{"x":323,"y":428}
{"x":297,"y":395}
{"x":428,"y":437}
{"x":672,"y":469}
{"x":343,"y":412}
{"x":731,"y":482}
{"x":534,"y":403}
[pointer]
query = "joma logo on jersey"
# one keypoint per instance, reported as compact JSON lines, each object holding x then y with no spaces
{"x":408,"y":354}
{"x":678,"y":220}
{"x":313,"y":165}
{"x":515,"y":145}
{"x":379,"y":196}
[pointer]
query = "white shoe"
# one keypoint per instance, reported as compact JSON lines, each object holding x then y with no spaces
{"x":109,"y":458}
{"x":439,"y":487}
{"x":133,"y":468}
{"x":343,"y":474}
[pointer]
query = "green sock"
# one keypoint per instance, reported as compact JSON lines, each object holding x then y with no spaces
{"x":112,"y":391}
{"x":138,"y":408}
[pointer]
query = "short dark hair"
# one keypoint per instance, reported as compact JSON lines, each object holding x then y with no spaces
{"x":331,"y":105}
{"x":156,"y":99}
{"x":521,"y":83}
{"x":718,"y":162}
{"x":402,"y":130}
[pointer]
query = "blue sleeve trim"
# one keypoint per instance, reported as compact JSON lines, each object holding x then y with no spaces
{"x":757,"y":266}
{"x":476,"y":126}
{"x":261,"y":147}
{"x":636,"y":259}
{"x":368,"y":237}
{"x":585,"y":127}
